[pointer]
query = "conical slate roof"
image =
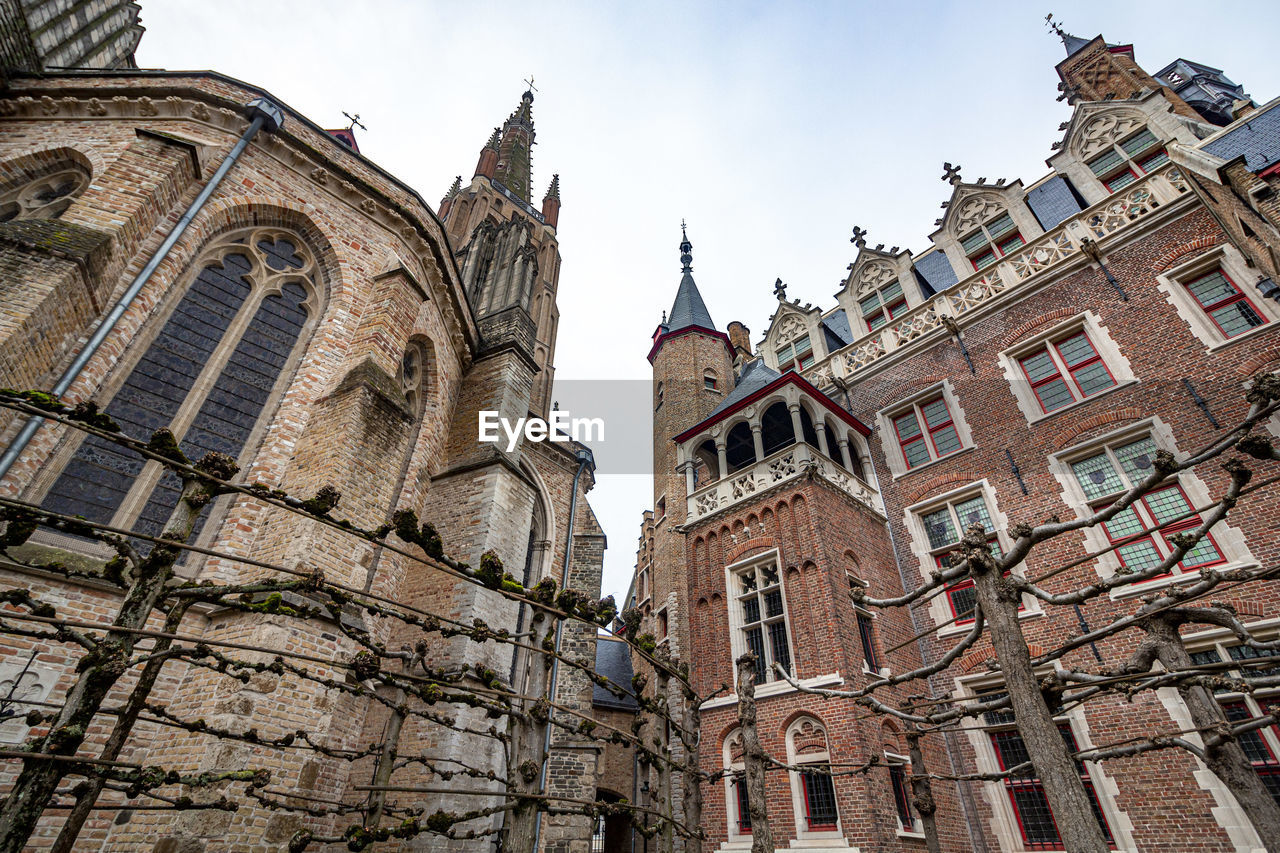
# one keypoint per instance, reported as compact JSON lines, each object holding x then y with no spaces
{"x":688,"y":309}
{"x":1073,"y":44}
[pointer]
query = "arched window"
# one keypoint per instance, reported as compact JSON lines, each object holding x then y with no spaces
{"x":740,"y":447}
{"x":777,"y":429}
{"x":737,"y":812}
{"x":813,"y":793}
{"x":43,"y":197}
{"x":207,"y":375}
{"x":710,"y":381}
{"x":417,"y":369}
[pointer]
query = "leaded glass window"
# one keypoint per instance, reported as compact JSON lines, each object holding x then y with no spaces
{"x":763,"y":618}
{"x":1123,"y":164}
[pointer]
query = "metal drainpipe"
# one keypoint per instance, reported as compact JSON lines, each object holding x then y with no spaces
{"x":265,"y":114}
{"x":584,"y":458}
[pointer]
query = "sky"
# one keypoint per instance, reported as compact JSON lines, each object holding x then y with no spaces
{"x":771,"y":128}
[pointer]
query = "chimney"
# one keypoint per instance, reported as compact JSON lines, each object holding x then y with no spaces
{"x":740,"y":337}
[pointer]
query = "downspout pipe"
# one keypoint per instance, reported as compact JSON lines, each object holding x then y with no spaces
{"x":263,"y":113}
{"x":584,"y":459}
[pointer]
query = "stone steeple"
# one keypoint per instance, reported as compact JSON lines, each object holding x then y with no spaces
{"x":515,"y":151}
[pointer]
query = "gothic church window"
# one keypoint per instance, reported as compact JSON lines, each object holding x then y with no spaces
{"x":415,"y":375}
{"x":1126,"y":161}
{"x":813,"y":792}
{"x":45,"y":197}
{"x":991,"y":241}
{"x":207,"y":375}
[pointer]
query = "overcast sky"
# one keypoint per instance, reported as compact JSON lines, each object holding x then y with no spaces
{"x":772,"y":128}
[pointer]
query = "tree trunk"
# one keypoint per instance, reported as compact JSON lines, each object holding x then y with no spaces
{"x":693,"y":773}
{"x":922,"y":793}
{"x":86,"y":800}
{"x":753,"y":757}
{"x":528,"y":747}
{"x":102,"y":669}
{"x":390,"y":746}
{"x":1226,"y":759}
{"x":1068,"y":800}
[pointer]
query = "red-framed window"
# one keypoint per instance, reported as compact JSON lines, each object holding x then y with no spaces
{"x":867,"y":633}
{"x":992,"y":241}
{"x":943,"y":528}
{"x":1114,"y":470}
{"x":797,"y":355}
{"x":1224,"y":302}
{"x":819,"y":798}
{"x":1065,"y":371}
{"x":883,"y":305}
{"x":743,"y":804}
{"x":901,"y":792}
{"x":1125,"y":163}
{"x":938,"y":438}
{"x":1261,"y":746}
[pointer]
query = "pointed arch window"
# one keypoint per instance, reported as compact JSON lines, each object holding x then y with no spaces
{"x":207,"y":374}
{"x":417,"y":366}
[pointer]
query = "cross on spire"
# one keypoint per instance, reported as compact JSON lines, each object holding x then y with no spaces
{"x":859,"y":237}
{"x":355,"y":122}
{"x":951,"y":174}
{"x":529,"y":83}
{"x":780,"y":290}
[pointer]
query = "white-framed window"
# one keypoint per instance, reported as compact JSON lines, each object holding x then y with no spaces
{"x":882,"y":305}
{"x":1021,"y":804}
{"x":991,"y":241}
{"x":1216,"y":295}
{"x":813,"y":793}
{"x":937,"y":525}
{"x":923,"y":429}
{"x":1063,"y":366}
{"x":1126,"y":161}
{"x":872,"y":660}
{"x":796,"y":355}
{"x":899,"y":766}
{"x":758,"y":615}
{"x":1261,"y":746}
{"x":736,"y":809}
{"x":1098,"y":472}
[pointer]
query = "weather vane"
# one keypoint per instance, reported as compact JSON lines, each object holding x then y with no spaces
{"x":529,"y":82}
{"x":355,"y":122}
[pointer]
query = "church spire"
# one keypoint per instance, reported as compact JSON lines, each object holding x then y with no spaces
{"x":688,"y":309}
{"x":1073,"y":44}
{"x":515,"y":151}
{"x":551,"y":203}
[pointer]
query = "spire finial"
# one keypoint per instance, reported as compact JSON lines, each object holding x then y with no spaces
{"x":1055,"y":27}
{"x":951,"y":174}
{"x":686,"y":250}
{"x":780,"y":290}
{"x":532,"y":88}
{"x":553,"y":191}
{"x":859,"y":237}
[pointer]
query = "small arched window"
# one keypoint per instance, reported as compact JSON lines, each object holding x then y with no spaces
{"x":813,"y":792}
{"x":709,"y":380}
{"x":737,"y":809}
{"x":417,"y":368}
{"x":207,"y":375}
{"x":44,"y":197}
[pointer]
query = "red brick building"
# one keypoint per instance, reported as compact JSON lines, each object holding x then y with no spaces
{"x":1027,"y":364}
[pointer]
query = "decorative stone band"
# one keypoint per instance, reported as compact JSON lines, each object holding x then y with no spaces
{"x":785,"y":465}
{"x":1046,"y":252}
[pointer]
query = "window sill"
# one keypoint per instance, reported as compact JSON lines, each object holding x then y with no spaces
{"x":775,"y":688}
{"x":933,"y":462}
{"x":1270,"y":325}
{"x":1044,"y":416}
{"x":1136,"y":589}
{"x":911,"y":833}
{"x":882,"y":672}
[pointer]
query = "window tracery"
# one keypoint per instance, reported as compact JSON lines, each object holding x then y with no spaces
{"x":46,"y":197}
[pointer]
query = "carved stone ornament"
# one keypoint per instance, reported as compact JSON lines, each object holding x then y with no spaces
{"x":790,"y":327}
{"x":736,"y":750}
{"x":809,"y":738}
{"x":873,"y":276}
{"x":975,"y":211}
{"x":1103,"y":130}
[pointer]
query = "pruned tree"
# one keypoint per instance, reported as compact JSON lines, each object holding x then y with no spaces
{"x":121,"y":660}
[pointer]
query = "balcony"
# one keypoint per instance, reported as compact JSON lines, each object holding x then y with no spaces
{"x":785,"y":465}
{"x":1049,"y":251}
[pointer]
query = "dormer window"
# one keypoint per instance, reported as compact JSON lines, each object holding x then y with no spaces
{"x":1129,"y":160}
{"x":991,"y":241}
{"x":797,"y":355}
{"x":883,"y":305}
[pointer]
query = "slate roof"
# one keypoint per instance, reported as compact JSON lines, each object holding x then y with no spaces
{"x":936,"y":270}
{"x":613,"y":661}
{"x":754,"y":376}
{"x":1053,"y":201}
{"x":1258,"y":139}
{"x":689,"y":309}
{"x":1073,"y":44}
{"x":836,"y":325}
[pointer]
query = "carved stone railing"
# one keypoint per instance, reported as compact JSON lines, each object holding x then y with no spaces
{"x":1046,"y":252}
{"x":787,"y":464}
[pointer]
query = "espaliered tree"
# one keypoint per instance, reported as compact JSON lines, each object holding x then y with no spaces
{"x":1041,"y":685}
{"x":121,"y":659}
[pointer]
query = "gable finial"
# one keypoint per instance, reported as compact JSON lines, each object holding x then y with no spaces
{"x":951,"y":174}
{"x":859,"y":237}
{"x":780,"y":290}
{"x":686,"y":250}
